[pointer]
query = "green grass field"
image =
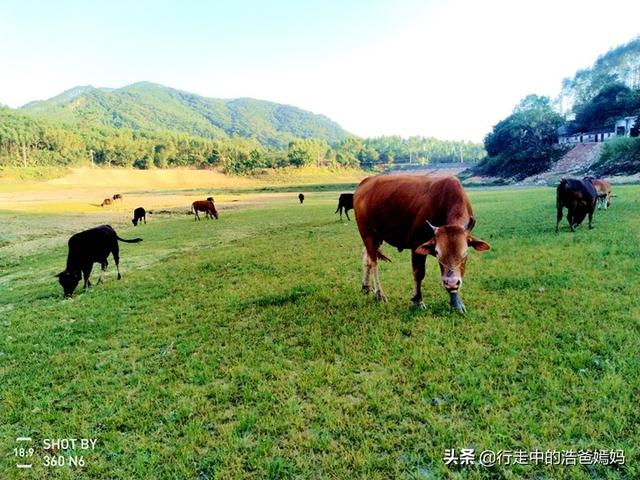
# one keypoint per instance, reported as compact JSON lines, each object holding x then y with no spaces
{"x":243,"y":347}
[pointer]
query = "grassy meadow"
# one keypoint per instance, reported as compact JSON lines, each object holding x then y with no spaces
{"x":244,"y":348}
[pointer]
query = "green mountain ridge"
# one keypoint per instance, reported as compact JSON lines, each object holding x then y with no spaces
{"x":152,"y":107}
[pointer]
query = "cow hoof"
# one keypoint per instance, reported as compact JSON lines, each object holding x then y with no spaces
{"x":419,"y":305}
{"x":366,"y":289}
{"x":380,"y":297}
{"x":590,"y":227}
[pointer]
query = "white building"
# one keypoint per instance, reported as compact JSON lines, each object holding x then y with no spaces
{"x":624,"y":127}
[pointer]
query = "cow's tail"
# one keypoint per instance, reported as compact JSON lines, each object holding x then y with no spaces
{"x":337,"y":209}
{"x":382,"y":256}
{"x":135,"y":240}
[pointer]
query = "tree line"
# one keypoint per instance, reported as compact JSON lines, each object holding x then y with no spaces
{"x":25,"y":141}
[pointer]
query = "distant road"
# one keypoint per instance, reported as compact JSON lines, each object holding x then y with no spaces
{"x":449,"y":168}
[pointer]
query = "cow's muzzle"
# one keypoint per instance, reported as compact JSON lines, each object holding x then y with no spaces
{"x":452,"y":284}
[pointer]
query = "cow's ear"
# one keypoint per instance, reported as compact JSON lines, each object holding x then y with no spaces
{"x":478,"y":244}
{"x":427,"y":248}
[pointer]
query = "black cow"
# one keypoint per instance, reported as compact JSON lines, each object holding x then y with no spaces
{"x":85,"y":249}
{"x":580,"y":197}
{"x":139,"y":214}
{"x":301,"y":197}
{"x":345,"y":201}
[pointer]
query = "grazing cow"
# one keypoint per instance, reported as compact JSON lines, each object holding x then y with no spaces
{"x":402,"y":211}
{"x":117,"y":196}
{"x":85,"y":249}
{"x":345,"y":201}
{"x":580,"y":197}
{"x":139,"y":214}
{"x":301,"y":198}
{"x":205,"y":206}
{"x":106,"y":201}
{"x":603,"y":189}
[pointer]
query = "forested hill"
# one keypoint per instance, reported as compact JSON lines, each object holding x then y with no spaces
{"x":155,"y":108}
{"x":620,"y":64}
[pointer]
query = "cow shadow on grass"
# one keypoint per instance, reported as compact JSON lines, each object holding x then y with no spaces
{"x":278,"y":299}
{"x":439,"y":308}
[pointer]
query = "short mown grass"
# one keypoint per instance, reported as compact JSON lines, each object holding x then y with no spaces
{"x":243,"y":348}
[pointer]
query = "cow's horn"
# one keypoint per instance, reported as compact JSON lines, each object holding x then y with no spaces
{"x":433,"y":229}
{"x":470,"y":224}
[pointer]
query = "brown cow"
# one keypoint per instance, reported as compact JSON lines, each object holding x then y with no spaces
{"x":106,"y":201}
{"x":117,"y":196}
{"x":603,"y":189}
{"x":205,"y":206}
{"x":402,"y":211}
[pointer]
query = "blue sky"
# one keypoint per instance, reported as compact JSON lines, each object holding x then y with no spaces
{"x":449,"y":69}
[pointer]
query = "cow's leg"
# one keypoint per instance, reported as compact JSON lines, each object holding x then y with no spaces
{"x":145,"y":219}
{"x":104,"y":269}
{"x":346,"y":212}
{"x":418,"y":263}
{"x":377,"y":287}
{"x":340,"y":209}
{"x":197,"y":217}
{"x":558,"y":218}
{"x":371,"y":249}
{"x":116,"y":259}
{"x":366,"y":271}
{"x":571,"y":220}
{"x":86,"y":272}
{"x":591,"y":217}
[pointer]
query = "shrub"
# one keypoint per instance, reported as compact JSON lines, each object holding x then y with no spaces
{"x":620,"y":156}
